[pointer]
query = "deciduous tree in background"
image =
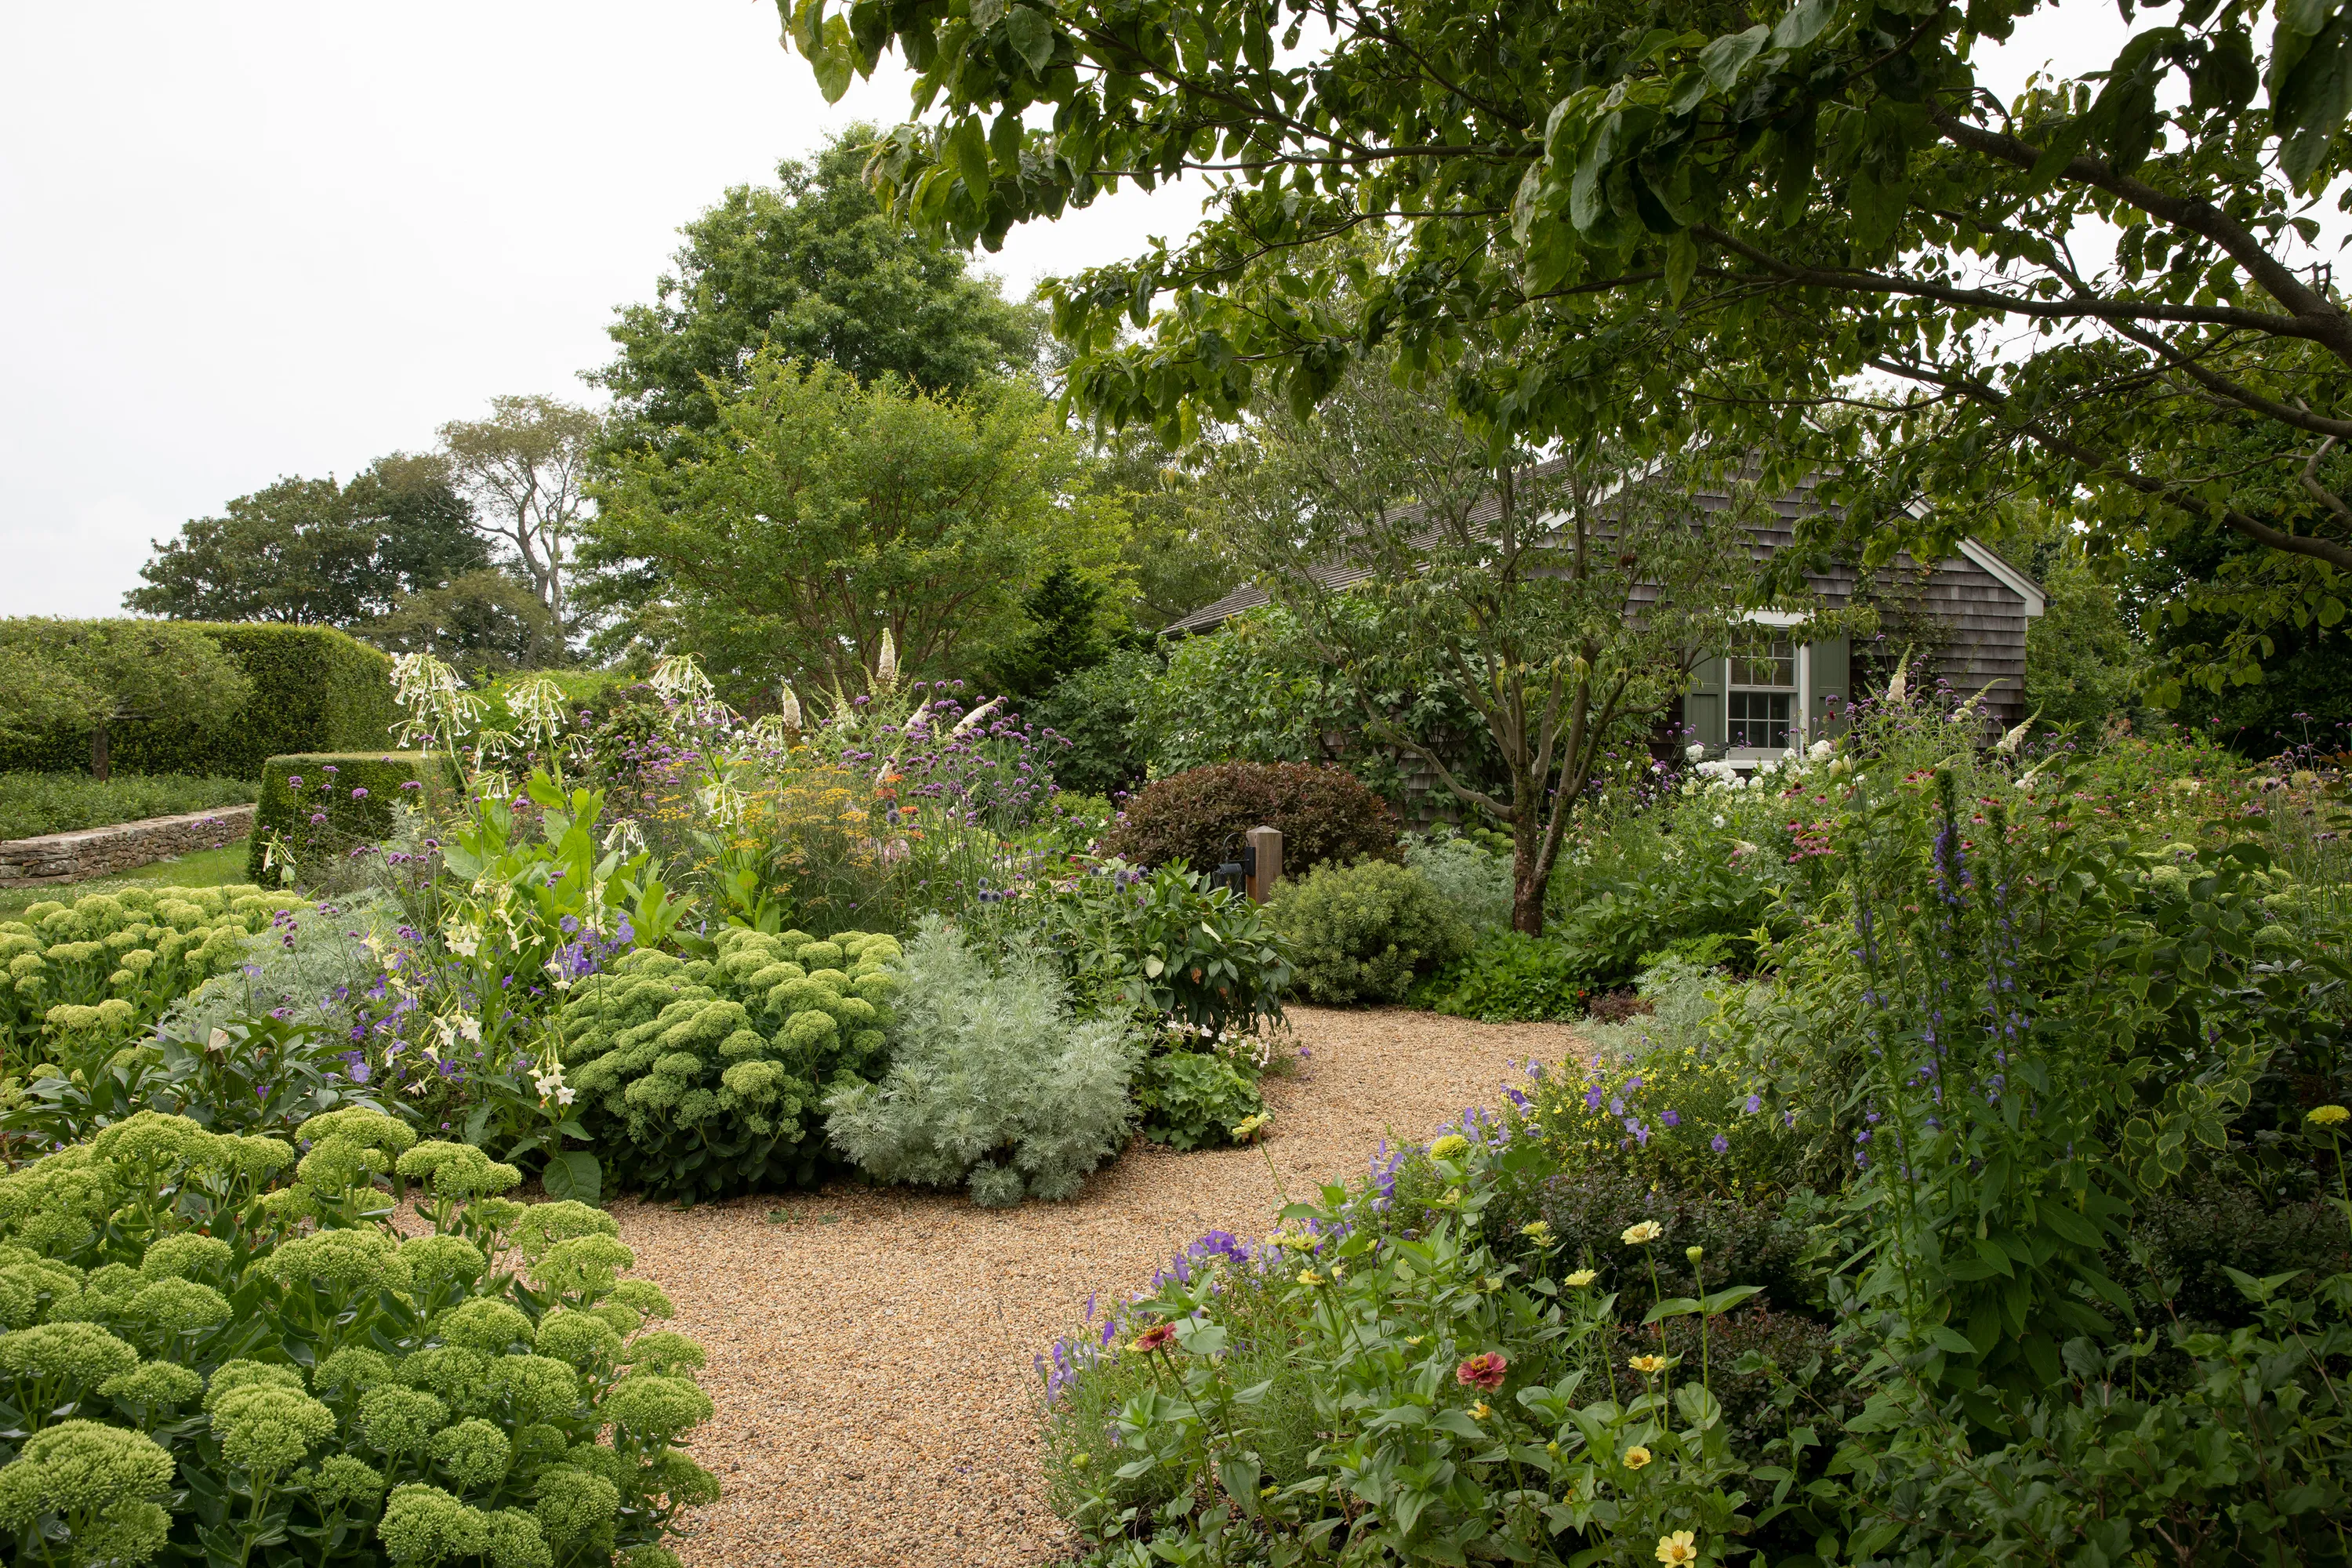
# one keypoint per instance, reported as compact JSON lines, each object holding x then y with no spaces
{"x":315,"y":552}
{"x":817,"y":513}
{"x":525,"y":468}
{"x":816,"y":267}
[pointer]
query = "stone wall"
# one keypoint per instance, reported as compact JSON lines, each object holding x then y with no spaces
{"x":105,"y":851}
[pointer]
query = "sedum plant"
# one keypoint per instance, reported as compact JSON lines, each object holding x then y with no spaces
{"x":703,"y":1078}
{"x":992,"y":1081}
{"x":76,"y":979}
{"x":219,"y":1350}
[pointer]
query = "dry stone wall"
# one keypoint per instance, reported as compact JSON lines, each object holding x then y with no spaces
{"x":105,"y":851}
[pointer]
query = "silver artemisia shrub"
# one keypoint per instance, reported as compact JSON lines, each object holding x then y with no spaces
{"x":703,"y":1078}
{"x":992,"y":1081}
{"x":219,"y":1351}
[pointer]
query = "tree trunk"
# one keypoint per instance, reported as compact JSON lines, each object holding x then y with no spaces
{"x":98,"y":753}
{"x":1526,"y":852}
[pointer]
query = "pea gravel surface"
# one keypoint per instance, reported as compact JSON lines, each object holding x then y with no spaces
{"x":871,"y":1349}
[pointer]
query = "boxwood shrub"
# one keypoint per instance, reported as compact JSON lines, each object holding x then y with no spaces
{"x":216,"y":1349}
{"x":703,"y":1078}
{"x":1324,"y":814}
{"x":314,"y":690}
{"x":320,"y":806}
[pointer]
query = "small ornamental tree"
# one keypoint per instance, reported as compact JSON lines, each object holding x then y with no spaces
{"x":57,"y":674}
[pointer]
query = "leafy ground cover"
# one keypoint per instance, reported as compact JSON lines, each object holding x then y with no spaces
{"x":205,"y":868}
{"x":34,"y":803}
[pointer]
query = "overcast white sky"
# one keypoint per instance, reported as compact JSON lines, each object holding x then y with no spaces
{"x":248,"y":238}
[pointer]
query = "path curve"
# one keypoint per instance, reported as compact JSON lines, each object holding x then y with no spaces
{"x":871,"y":1356}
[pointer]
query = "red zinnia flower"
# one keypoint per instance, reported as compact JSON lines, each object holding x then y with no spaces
{"x":1483,"y":1370}
{"x":1156,"y":1337}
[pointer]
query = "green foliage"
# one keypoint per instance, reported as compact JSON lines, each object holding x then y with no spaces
{"x":1509,"y":976}
{"x":1753,"y":216}
{"x":314,"y":552}
{"x":1096,"y":711}
{"x":1069,"y":628}
{"x":1161,"y":945}
{"x":991,"y":1081}
{"x":1472,"y":875}
{"x":1195,"y":1099}
{"x":310,"y":689}
{"x":318,"y":807}
{"x":817,"y":514}
{"x":1665,"y":1095}
{"x":705,"y":1078}
{"x":1198,"y":816}
{"x":813,"y":268}
{"x":203,"y":1380}
{"x":487,"y":623}
{"x":81,"y":978}
{"x":63,"y":676}
{"x":34,"y":803}
{"x":1364,"y":931}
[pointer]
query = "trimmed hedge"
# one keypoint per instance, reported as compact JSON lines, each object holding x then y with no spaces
{"x":324,"y":803}
{"x":314,"y":690}
{"x":1323,"y":813}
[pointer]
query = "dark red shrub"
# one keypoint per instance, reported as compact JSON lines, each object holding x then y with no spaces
{"x":1323,"y":814}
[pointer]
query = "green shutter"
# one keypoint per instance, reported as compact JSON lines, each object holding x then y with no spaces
{"x":1832,"y":671}
{"x":1703,"y":708}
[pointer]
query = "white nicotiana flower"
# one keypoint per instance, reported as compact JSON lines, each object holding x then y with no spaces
{"x":465,"y":940}
{"x":1719,"y":819}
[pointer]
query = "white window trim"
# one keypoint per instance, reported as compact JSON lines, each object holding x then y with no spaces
{"x":1800,"y":705}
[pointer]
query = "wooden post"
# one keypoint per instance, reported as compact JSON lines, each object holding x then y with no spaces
{"x":1267,"y":842}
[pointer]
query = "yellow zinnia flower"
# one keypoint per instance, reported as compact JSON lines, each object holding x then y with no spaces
{"x":1583,"y":1278}
{"x":1677,"y":1549}
{"x":1636,"y":1456}
{"x":2329,"y":1115}
{"x":1648,"y":1365}
{"x":1308,"y":1276}
{"x":1642,"y":1235}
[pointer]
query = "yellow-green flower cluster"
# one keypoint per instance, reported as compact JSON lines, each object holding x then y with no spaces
{"x":735,"y":1051}
{"x":97,"y":969}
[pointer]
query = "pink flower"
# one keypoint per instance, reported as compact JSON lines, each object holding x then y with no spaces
{"x":359,"y":795}
{"x":1483,"y":1371}
{"x":1156,"y":1337}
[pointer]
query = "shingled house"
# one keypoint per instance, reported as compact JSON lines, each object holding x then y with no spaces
{"x":1963,"y":619}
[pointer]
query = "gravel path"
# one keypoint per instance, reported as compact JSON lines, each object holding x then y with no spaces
{"x":870,"y":1356}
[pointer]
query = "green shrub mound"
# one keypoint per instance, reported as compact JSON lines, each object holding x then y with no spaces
{"x":216,"y":1347}
{"x":78,"y":979}
{"x":313,"y":689}
{"x":316,"y":807}
{"x":704,"y":1078}
{"x":992,"y":1081}
{"x":1509,"y":976}
{"x":33,"y":804}
{"x":1363,"y":933}
{"x":1324,"y":814}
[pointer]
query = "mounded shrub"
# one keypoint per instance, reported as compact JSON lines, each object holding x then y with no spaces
{"x":78,"y":979}
{"x":1363,"y":933}
{"x":314,"y":690}
{"x":218,"y":1343}
{"x":991,"y":1082}
{"x":704,"y":1078}
{"x":320,"y":806}
{"x":1323,"y":814}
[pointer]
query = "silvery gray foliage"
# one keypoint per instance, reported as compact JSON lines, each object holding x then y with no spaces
{"x":313,"y":978}
{"x":1473,"y":879}
{"x":1682,"y":997}
{"x":992,"y":1080}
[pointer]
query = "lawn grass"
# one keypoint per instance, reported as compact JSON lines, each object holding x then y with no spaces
{"x":205,"y":868}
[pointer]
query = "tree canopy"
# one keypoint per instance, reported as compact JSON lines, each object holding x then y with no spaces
{"x":525,"y":468}
{"x":1808,"y":230}
{"x":313,"y":552}
{"x":78,"y":675}
{"x":816,"y":514}
{"x":817,"y":267}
